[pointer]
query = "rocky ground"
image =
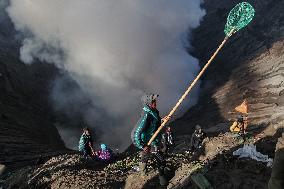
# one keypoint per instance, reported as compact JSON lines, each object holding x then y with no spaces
{"x":215,"y":162}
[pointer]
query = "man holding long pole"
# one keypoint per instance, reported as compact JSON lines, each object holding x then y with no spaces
{"x":145,"y":128}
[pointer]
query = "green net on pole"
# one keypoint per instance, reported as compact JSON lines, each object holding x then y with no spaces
{"x":239,"y":17}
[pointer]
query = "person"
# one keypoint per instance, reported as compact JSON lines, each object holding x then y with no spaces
{"x":105,"y":154}
{"x":197,"y":138}
{"x":240,"y":125}
{"x":276,"y":180}
{"x":86,"y":143}
{"x":167,"y":140}
{"x":169,"y":136}
{"x":145,"y":128}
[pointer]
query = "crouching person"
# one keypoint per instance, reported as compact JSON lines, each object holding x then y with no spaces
{"x":86,"y":143}
{"x":105,"y":154}
{"x":146,"y":127}
{"x":239,"y":125}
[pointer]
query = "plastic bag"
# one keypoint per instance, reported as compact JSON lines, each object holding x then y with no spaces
{"x":250,"y":151}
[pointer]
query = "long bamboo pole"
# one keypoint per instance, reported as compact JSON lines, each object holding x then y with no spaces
{"x":189,"y":88}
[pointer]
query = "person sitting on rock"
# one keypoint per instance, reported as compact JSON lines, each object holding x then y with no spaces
{"x":105,"y":154}
{"x":86,"y":143}
{"x":197,"y":138}
{"x":143,"y":131}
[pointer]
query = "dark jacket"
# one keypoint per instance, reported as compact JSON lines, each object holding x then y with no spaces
{"x":197,"y":138}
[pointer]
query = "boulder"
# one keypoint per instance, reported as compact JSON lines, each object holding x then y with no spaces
{"x":2,"y":169}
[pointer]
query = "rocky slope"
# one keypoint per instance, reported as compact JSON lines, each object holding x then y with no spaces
{"x":215,"y":161}
{"x":26,"y":121}
{"x":250,"y":66}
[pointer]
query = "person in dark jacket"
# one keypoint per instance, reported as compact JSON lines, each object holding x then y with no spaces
{"x":86,"y":143}
{"x":143,"y":131}
{"x":197,"y":138}
{"x":167,"y":140}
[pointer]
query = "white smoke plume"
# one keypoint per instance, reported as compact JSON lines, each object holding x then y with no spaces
{"x":116,"y":50}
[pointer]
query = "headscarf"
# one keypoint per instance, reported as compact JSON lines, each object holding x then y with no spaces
{"x":148,"y":99}
{"x":197,"y":127}
{"x":103,"y":146}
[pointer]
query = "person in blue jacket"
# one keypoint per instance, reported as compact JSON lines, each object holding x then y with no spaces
{"x":143,"y":131}
{"x":148,"y":123}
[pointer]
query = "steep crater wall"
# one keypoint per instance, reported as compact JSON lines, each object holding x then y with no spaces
{"x":250,"y":66}
{"x":26,"y":118}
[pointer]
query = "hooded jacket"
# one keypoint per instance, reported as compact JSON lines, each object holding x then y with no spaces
{"x":146,"y":127}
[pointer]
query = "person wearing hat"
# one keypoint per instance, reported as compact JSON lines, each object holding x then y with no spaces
{"x":145,"y":128}
{"x":197,"y":138}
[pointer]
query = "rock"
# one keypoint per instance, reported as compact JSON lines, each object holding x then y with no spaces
{"x":200,"y":181}
{"x":137,"y":181}
{"x":2,"y":169}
